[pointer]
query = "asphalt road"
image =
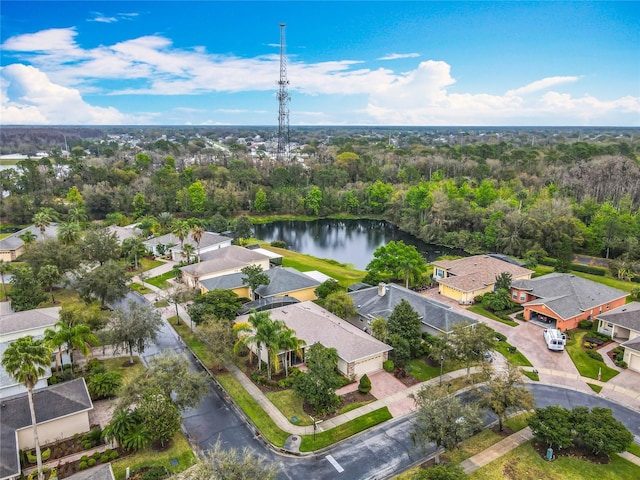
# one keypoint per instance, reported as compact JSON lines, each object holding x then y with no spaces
{"x":378,"y":453}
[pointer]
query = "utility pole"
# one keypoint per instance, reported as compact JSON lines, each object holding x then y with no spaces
{"x":283,"y":102}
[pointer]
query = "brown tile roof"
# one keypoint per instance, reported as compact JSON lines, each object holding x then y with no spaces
{"x":476,"y":272}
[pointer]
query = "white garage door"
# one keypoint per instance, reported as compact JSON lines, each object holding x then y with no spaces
{"x":367,"y":366}
{"x":634,"y":363}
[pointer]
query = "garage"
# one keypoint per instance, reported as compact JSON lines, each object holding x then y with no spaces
{"x":367,"y":365}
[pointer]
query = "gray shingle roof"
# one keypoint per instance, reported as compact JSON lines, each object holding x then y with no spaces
{"x":566,"y":294}
{"x":28,"y":320}
{"x":224,"y":282}
{"x":433,"y":314}
{"x":627,"y":316}
{"x":13,"y":241}
{"x":633,"y":344}
{"x":208,"y":239}
{"x":284,"y":280}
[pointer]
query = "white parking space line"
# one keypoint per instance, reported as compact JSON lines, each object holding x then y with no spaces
{"x":335,"y":464}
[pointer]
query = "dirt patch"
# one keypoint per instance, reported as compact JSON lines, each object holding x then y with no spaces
{"x":506,"y":431}
{"x":571,"y":452}
{"x":406,"y":379}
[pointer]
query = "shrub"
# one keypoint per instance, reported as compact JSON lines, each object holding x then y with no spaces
{"x":87,"y":445}
{"x":585,"y":324}
{"x":388,"y":366}
{"x":155,"y":473}
{"x":113,"y":454}
{"x":279,"y":244}
{"x":622,"y":364}
{"x":365,"y":384}
{"x":91,"y":462}
{"x":45,"y":454}
{"x":595,"y":355}
{"x":500,"y":337}
{"x":96,"y":455}
{"x":104,"y":458}
{"x":286,"y":382}
{"x":83,"y":465}
{"x":94,"y":364}
{"x":84,"y":458}
{"x":577,"y":267}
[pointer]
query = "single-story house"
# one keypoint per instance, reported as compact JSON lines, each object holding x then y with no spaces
{"x":358,"y":352}
{"x":123,"y":233}
{"x":466,"y":278}
{"x":373,"y":302}
{"x":564,"y":299}
{"x":13,"y":246}
{"x":62,"y":410}
{"x":171,"y":243}
{"x":276,"y":258}
{"x":283,"y":281}
{"x":220,"y":262}
{"x":623,"y":325}
{"x":21,"y":324}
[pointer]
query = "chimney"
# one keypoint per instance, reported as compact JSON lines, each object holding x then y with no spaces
{"x":382,"y":290}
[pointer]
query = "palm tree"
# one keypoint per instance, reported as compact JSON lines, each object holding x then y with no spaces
{"x":71,"y":337}
{"x":26,"y":360}
{"x":187,"y":251}
{"x":164,"y":219}
{"x":28,"y":237}
{"x":262,"y":333}
{"x":196,"y":233}
{"x":181,"y":230}
{"x":5,"y":268}
{"x":69,"y":233}
{"x":290,"y":343}
{"x":77,"y":215}
{"x":42,"y":220}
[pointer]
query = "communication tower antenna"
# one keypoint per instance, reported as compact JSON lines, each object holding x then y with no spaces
{"x":283,"y":102}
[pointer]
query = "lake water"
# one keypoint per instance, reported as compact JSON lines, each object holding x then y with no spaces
{"x":347,"y":241}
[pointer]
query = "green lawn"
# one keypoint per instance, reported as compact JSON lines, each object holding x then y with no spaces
{"x":122,"y":366}
{"x":180,"y":450}
{"x":291,"y":406}
{"x":523,"y":463}
{"x":517,"y":358}
{"x":587,"y":366}
{"x":142,"y":290}
{"x":635,"y":449}
{"x":161,"y":280}
{"x":480,"y":310}
{"x":421,"y":370}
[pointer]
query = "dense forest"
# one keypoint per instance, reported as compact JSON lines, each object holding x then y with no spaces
{"x":522,"y":193}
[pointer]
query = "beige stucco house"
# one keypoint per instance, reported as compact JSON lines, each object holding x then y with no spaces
{"x":12,"y":246}
{"x":622,"y":324}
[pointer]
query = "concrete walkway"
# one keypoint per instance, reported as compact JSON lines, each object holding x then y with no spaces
{"x":497,"y":450}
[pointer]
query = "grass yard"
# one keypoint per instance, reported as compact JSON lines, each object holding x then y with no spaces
{"x":587,"y":366}
{"x":517,"y":358}
{"x":480,"y":310}
{"x":190,"y":338}
{"x":290,"y":406}
{"x":635,"y":449}
{"x":142,"y":290}
{"x":523,"y":463}
{"x":180,"y":450}
{"x":161,"y":280}
{"x":329,"y":437}
{"x":7,"y":287}
{"x":128,"y":372}
{"x":421,"y":370}
{"x":344,"y":274}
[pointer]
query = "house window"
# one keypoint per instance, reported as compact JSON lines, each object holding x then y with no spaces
{"x":608,"y":305}
{"x":439,"y":273}
{"x":523,"y":296}
{"x":515,"y":295}
{"x":610,"y":325}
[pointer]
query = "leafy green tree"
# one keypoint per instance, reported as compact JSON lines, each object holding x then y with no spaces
{"x":503,"y":281}
{"x":505,"y":391}
{"x":5,"y":269}
{"x":364,"y":386}
{"x":107,"y":283}
{"x":100,"y":245}
{"x":197,"y":231}
{"x":134,"y":249}
{"x":469,"y":342}
{"x":160,"y":416}
{"x":398,"y":260}
{"x":26,"y":292}
{"x":222,"y":304}
{"x":219,"y":337}
{"x":552,"y":425}
{"x":497,"y":301}
{"x":313,"y":200}
{"x":26,"y":361}
{"x":317,"y":386}
{"x":327,"y":287}
{"x":443,"y":419}
{"x":260,"y":202}
{"x":51,"y":251}
{"x":140,"y":205}
{"x":341,"y":305}
{"x":69,"y":233}
{"x":188,"y":252}
{"x":48,"y":276}
{"x":74,"y":197}
{"x":254,"y":276}
{"x":133,"y":328}
{"x":401,"y":353}
{"x":405,"y":322}
{"x":197,"y":197}
{"x":379,"y":329}
{"x":290,"y":344}
{"x":378,"y":195}
{"x":600,"y":432}
{"x":219,"y":223}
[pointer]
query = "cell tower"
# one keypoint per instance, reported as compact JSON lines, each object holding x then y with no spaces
{"x":283,"y":102}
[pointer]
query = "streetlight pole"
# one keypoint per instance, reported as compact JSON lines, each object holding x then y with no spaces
{"x":441,"y":363}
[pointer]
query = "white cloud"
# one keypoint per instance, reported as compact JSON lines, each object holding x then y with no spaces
{"x":543,"y":84}
{"x":55,"y":41}
{"x":99,"y":17}
{"x":396,"y":56}
{"x":104,"y":19}
{"x":29,"y":97}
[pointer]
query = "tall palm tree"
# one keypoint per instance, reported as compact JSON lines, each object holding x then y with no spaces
{"x":290,"y":343}
{"x":26,"y":360}
{"x":164,"y":219}
{"x":77,"y":215}
{"x":69,"y":336}
{"x":187,"y":251}
{"x":28,"y":237}
{"x":43,"y":219}
{"x":5,"y":268}
{"x":69,"y":233}
{"x":181,"y":229}
{"x":196,"y":233}
{"x":263,"y":333}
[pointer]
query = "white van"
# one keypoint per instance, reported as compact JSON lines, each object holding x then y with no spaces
{"x":556,"y":340}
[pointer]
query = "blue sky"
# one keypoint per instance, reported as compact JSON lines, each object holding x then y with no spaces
{"x":348,"y":63}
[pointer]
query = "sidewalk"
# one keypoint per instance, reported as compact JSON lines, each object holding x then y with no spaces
{"x":497,"y":450}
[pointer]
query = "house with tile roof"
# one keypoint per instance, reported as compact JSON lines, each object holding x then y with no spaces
{"x":373,"y":302}
{"x":62,"y":410}
{"x":209,"y":242}
{"x":12,"y":246}
{"x":283,"y":281}
{"x":358,"y":352}
{"x":562,"y":300}
{"x":224,"y":261}
{"x":622,"y":324}
{"x":469,"y":277}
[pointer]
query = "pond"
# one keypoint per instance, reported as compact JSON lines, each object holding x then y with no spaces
{"x":346,"y":241}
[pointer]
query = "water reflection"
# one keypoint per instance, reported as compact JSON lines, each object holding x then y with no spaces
{"x":347,"y":241}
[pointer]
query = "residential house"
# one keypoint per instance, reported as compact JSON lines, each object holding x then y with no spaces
{"x":62,"y":411}
{"x":224,"y":261}
{"x":13,"y":246}
{"x":561,"y":300}
{"x":21,"y":324}
{"x":172,"y":245}
{"x":373,"y":302}
{"x":623,"y":325}
{"x":283,"y":281}
{"x":466,"y":278}
{"x":358,"y":352}
{"x":123,"y":233}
